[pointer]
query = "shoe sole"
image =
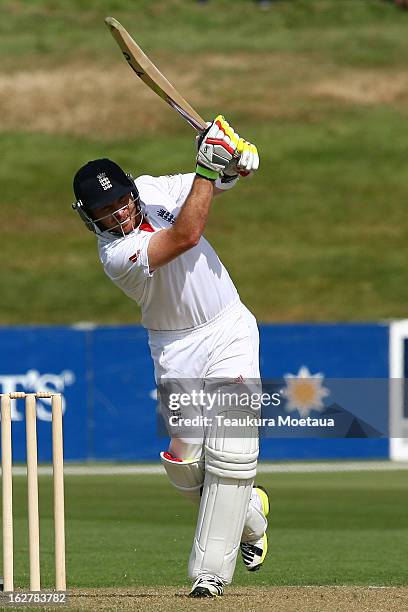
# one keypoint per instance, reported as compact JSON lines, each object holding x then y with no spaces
{"x":263,"y":495}
{"x":264,"y":499}
{"x":265,"y":550}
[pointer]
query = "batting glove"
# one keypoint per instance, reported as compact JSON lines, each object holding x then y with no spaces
{"x":216,"y":148}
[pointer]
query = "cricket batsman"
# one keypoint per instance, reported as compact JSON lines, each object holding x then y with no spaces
{"x":151,"y":245}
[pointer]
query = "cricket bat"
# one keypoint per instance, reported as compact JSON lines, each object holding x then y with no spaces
{"x":151,"y":75}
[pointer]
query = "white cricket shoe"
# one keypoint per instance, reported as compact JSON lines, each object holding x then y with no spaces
{"x":254,"y":553}
{"x":207,"y":585}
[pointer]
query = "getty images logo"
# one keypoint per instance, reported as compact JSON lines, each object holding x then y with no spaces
{"x":32,"y":382}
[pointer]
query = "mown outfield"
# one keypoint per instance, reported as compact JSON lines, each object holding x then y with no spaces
{"x":320,"y":85}
{"x":131,"y":535}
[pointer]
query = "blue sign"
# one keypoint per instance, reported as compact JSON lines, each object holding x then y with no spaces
{"x":106,"y":376}
{"x":352,"y":350}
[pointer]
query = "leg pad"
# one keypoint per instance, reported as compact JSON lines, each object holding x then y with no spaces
{"x":230,"y":468}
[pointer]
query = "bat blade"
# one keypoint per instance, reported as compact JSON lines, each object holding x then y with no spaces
{"x":151,"y":75}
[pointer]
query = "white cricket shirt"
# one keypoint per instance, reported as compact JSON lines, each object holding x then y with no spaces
{"x":185,"y":293}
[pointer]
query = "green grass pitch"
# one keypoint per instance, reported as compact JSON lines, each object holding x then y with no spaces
{"x":135,"y":530}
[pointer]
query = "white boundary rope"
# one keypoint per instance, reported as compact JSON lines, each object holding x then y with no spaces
{"x":95,"y":469}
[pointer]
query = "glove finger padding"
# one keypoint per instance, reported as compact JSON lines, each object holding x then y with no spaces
{"x":216,"y":148}
{"x":249,"y":158}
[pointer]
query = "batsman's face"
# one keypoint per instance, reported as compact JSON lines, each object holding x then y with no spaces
{"x":121,"y":215}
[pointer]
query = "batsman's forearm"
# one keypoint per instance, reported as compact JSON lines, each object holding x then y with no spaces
{"x":191,"y":221}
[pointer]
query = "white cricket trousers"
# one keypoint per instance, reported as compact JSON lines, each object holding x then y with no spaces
{"x":226,"y":347}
